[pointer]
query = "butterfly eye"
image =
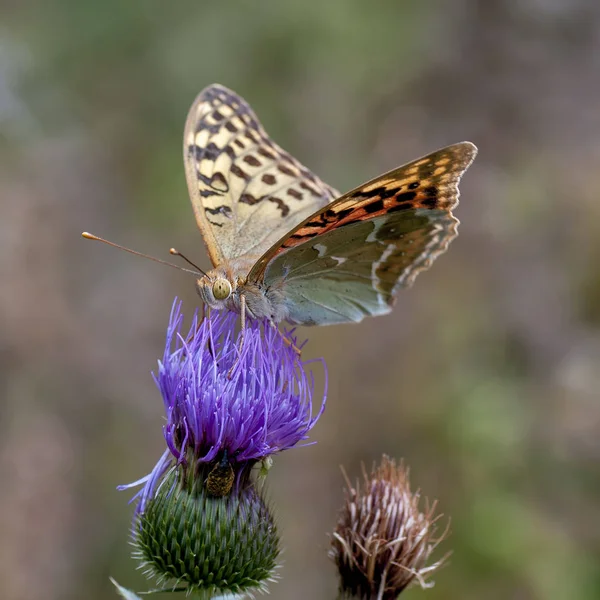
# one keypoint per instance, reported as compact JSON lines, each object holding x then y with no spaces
{"x":221,"y":289}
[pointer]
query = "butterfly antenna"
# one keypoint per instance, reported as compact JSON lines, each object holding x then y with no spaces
{"x":89,"y":236}
{"x":175,"y":252}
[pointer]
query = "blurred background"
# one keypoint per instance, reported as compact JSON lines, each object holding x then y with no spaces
{"x":485,"y":376}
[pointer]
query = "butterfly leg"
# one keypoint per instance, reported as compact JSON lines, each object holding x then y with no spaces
{"x":242,"y":331}
{"x":242,"y":316}
{"x":287,"y":342}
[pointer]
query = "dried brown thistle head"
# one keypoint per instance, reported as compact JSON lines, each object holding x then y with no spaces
{"x":382,"y":541}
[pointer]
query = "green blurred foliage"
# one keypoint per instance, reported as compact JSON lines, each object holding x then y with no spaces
{"x":484,"y":377}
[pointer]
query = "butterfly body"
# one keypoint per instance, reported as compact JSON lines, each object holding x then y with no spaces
{"x":223,"y":288}
{"x":286,"y":246}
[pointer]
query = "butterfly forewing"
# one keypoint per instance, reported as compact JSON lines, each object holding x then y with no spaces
{"x":349,"y":259}
{"x":246,"y":191}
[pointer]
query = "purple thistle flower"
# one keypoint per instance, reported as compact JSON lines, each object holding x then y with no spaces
{"x":225,"y":403}
{"x":201,"y":525}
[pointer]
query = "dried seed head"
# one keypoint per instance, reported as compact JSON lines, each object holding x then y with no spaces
{"x":382,"y":542}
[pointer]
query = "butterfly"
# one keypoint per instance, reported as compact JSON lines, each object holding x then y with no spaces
{"x":285,"y":246}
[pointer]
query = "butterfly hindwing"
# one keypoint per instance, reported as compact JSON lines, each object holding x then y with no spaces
{"x":246,"y":191}
{"x":354,"y":272}
{"x":348,"y":260}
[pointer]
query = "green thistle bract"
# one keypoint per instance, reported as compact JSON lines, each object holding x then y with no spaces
{"x":187,"y":538}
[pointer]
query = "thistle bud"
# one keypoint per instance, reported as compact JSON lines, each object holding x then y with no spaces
{"x":190,"y":539}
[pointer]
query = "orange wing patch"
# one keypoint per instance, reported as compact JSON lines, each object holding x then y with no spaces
{"x":428,"y":183}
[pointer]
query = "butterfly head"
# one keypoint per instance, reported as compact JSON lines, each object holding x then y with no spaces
{"x":215,"y":289}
